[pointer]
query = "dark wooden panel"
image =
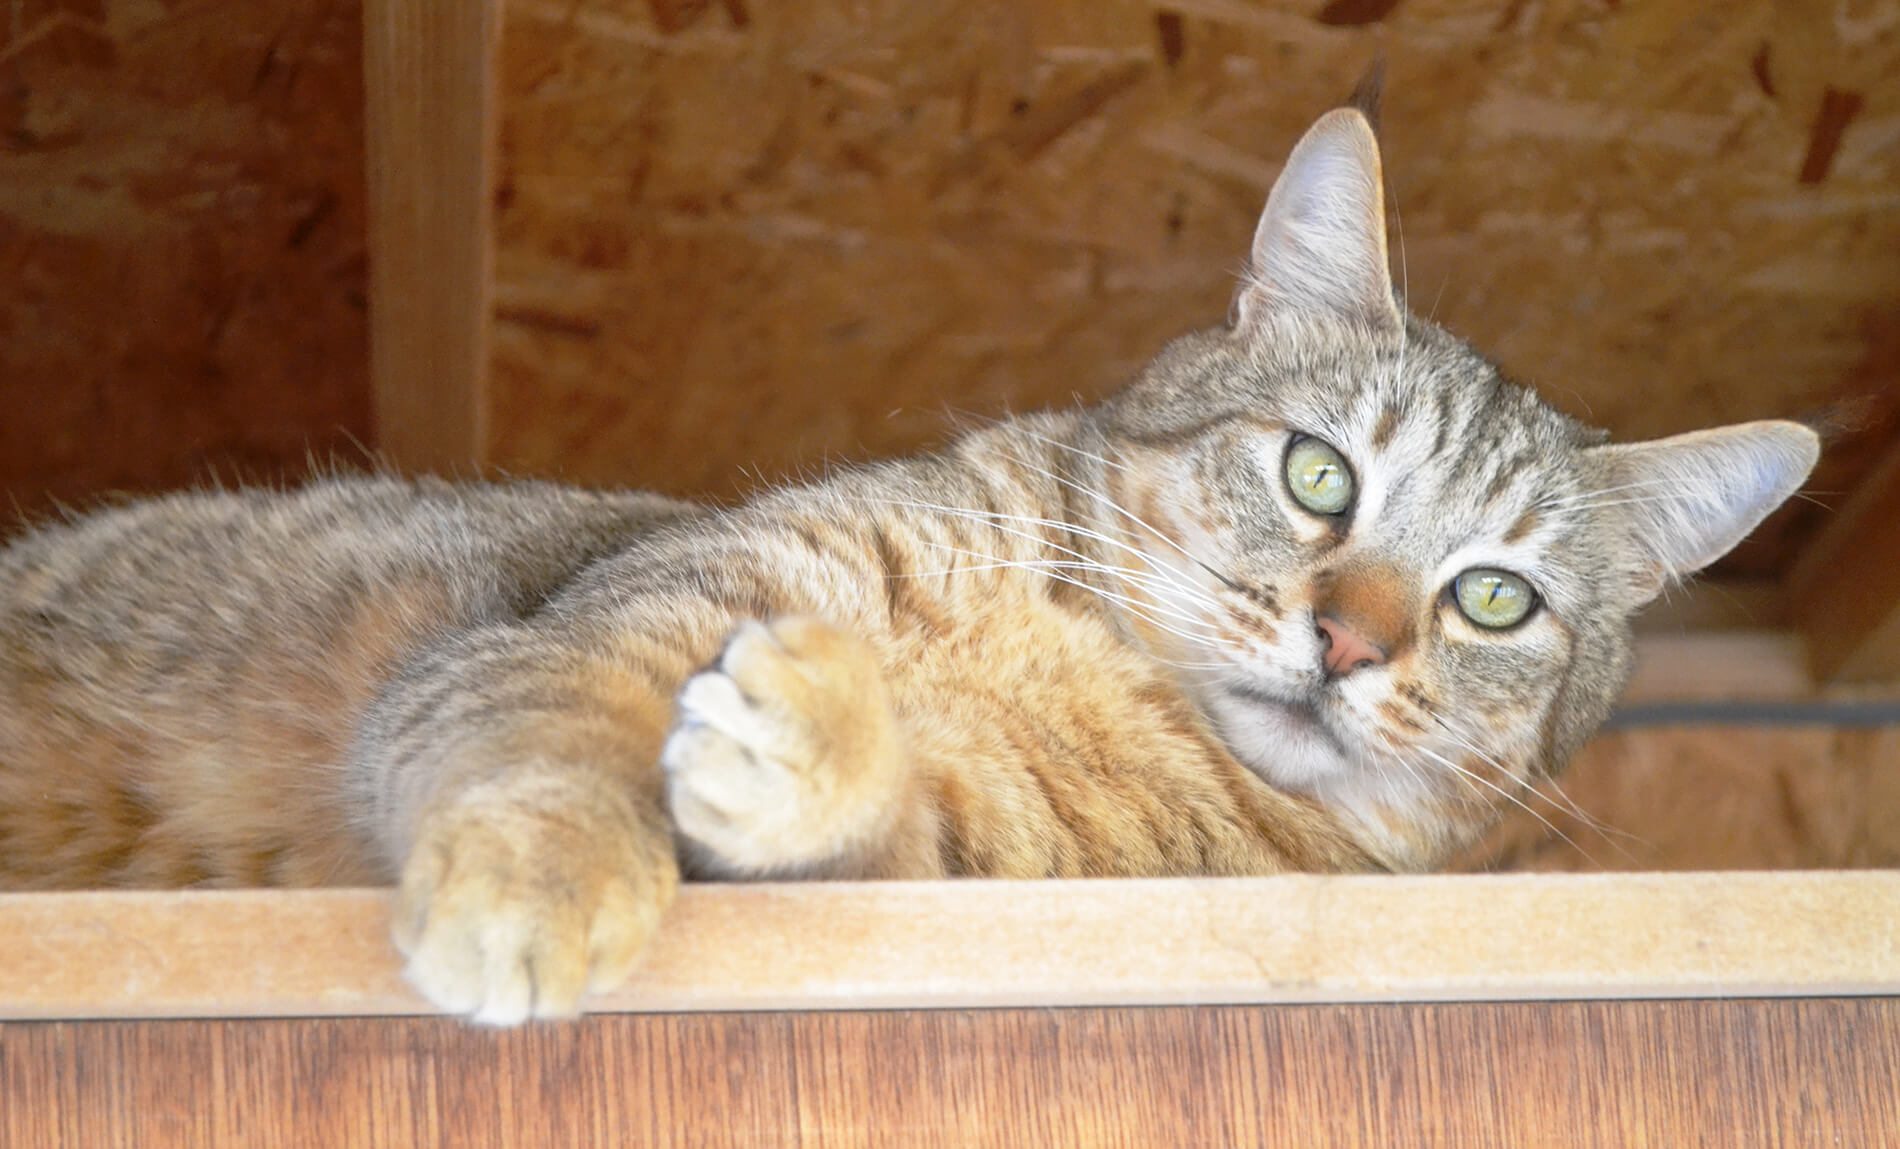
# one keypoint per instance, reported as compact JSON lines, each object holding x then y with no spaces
{"x":1845,"y":590}
{"x":1726,"y":1073}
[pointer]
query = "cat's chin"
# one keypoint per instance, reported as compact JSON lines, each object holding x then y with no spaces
{"x":1287,"y":741}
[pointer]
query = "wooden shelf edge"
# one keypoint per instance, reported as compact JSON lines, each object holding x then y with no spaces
{"x":974,"y":944}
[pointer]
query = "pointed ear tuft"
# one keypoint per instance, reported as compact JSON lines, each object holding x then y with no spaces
{"x":1320,"y":244}
{"x":1689,"y":499}
{"x":1368,"y":95}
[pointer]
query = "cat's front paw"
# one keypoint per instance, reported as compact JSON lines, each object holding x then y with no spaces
{"x":526,"y":893}
{"x":784,"y":755}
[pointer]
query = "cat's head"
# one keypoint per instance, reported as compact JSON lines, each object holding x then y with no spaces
{"x":1391,"y":578}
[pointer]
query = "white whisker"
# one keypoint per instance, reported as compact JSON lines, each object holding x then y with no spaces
{"x":1166,"y":576}
{"x":1590,"y":821}
{"x":1582,"y":498}
{"x":1140,"y":580}
{"x":1072,"y":448}
{"x":1639,"y":499}
{"x":1405,"y":289}
{"x":1211,"y":634}
{"x":1507,"y":796}
{"x":1111,"y":504}
{"x":997,"y":518}
{"x":1638,"y":484}
{"x":1568,"y":806}
{"x":1410,"y":767}
{"x":1178,"y":665}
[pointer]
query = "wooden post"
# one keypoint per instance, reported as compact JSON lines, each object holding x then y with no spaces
{"x":430,"y":139}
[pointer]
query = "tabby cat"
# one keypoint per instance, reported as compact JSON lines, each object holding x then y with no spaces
{"x":1319,"y":591}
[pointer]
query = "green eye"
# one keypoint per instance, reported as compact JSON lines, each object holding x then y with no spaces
{"x":1494,"y":599}
{"x":1318,"y":476}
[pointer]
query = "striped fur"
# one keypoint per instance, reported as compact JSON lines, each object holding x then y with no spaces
{"x":1072,"y":643}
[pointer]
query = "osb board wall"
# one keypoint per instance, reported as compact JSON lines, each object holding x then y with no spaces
{"x":738,"y":234}
{"x":181,"y":242}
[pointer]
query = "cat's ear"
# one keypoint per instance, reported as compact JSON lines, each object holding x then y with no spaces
{"x":1320,"y":243}
{"x":1690,"y":498}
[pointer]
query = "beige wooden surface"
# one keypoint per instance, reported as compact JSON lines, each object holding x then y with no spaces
{"x":879,"y":945}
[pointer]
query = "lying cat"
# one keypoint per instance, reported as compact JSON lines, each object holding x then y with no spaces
{"x":1319,"y":591}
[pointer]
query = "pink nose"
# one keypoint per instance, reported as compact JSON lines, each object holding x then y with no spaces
{"x":1345,"y":651}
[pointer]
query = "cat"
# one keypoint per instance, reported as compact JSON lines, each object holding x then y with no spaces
{"x":1320,"y":590}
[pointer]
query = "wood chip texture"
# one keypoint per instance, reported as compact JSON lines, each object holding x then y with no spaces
{"x":760,"y":236}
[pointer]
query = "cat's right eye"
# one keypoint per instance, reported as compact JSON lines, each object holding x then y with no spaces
{"x":1317,"y":476}
{"x":1494,"y":599}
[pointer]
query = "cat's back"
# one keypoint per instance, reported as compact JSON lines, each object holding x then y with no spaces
{"x":176,"y":582}
{"x":536,"y":531}
{"x":173,"y":670}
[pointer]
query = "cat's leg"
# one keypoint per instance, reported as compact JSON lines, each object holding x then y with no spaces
{"x":786,"y":759}
{"x":512,"y":780}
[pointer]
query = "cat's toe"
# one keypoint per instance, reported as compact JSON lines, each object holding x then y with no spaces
{"x":717,"y":779}
{"x":503,"y":921}
{"x":783,"y":752}
{"x":729,"y":791}
{"x":502,"y":961}
{"x":759,"y":726}
{"x":479,"y":960}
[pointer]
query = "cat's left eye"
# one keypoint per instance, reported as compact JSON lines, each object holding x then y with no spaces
{"x":1317,"y":475}
{"x":1493,"y":599}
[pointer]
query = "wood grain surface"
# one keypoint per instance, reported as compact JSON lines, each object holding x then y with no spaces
{"x":1627,"y":1074}
{"x":429,"y":137}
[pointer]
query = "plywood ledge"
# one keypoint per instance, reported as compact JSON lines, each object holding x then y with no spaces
{"x":976,"y":944}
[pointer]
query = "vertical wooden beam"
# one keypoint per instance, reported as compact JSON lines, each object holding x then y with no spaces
{"x":1844,"y":591}
{"x":429,"y":118}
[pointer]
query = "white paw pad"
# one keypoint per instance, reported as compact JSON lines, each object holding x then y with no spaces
{"x":728,"y":758}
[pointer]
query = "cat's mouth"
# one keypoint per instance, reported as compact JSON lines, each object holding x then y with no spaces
{"x":1299,"y":717}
